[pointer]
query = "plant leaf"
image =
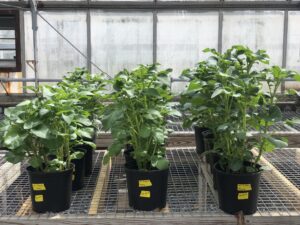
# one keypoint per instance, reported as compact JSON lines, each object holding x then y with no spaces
{"x":217,"y":92}
{"x":40,"y":131}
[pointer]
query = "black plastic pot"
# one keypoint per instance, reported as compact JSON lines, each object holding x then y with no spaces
{"x":212,"y":159}
{"x":147,"y":190}
{"x":50,"y":192}
{"x":88,"y":157}
{"x":199,"y":139}
{"x":208,"y":139}
{"x":130,"y":162}
{"x":94,"y":138}
{"x":79,"y":172}
{"x":237,"y":192}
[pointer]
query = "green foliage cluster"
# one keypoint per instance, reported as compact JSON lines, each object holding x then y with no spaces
{"x":44,"y":130}
{"x":141,"y":101}
{"x":90,"y":89}
{"x":225,"y":94}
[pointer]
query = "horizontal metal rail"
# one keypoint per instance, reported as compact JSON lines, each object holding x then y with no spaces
{"x":160,"y":5}
{"x":12,"y":80}
{"x":8,"y":80}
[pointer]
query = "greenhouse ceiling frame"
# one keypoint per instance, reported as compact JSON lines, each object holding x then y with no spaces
{"x":153,"y":6}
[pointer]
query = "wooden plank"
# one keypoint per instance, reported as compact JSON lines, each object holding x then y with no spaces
{"x":279,"y":175}
{"x":100,"y":186}
{"x":165,"y":210}
{"x":208,"y":177}
{"x":272,"y":220}
{"x":137,"y":220}
{"x":25,"y":208}
{"x":8,"y":174}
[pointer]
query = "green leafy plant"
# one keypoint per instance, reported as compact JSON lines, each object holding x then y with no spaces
{"x":141,"y":101}
{"x":225,"y":94}
{"x":43,"y":130}
{"x":89,"y":89}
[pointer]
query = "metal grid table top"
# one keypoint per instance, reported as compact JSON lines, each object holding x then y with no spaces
{"x":188,"y":192}
{"x":12,"y":198}
{"x":287,"y":161}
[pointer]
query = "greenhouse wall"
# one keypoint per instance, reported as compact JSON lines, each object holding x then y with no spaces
{"x":173,"y":36}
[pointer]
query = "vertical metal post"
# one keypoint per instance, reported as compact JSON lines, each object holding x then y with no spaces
{"x":22,"y":39}
{"x":89,"y":41}
{"x":285,"y":43}
{"x":155,"y":34}
{"x":33,"y":7}
{"x":220,"y":30}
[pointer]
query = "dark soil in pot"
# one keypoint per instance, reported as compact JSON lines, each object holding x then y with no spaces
{"x":88,"y":157}
{"x":130,"y":162}
{"x":50,"y":192}
{"x":237,"y":192}
{"x":147,"y":190}
{"x":79,"y":172}
{"x":199,"y":139}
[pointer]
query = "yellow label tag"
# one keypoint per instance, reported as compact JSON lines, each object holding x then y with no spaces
{"x":73,"y":177}
{"x":145,"y":194}
{"x":38,"y":198}
{"x":38,"y":187}
{"x":145,"y":183}
{"x":244,"y":187}
{"x":243,"y":196}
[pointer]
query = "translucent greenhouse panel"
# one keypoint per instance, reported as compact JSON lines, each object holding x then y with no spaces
{"x":121,"y":40}
{"x":28,"y":45}
{"x":181,"y":37}
{"x":257,"y":30}
{"x":55,"y":56}
{"x":293,"y":51}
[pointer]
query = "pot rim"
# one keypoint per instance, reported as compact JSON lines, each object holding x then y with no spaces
{"x":146,"y":171}
{"x":238,"y":174}
{"x":52,"y":172}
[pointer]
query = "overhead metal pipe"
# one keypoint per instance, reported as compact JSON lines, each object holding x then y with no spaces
{"x":159,"y":5}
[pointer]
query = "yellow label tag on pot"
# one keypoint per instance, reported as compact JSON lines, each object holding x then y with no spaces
{"x":73,"y":177}
{"x":38,"y":187}
{"x":38,"y":198}
{"x":145,"y":194}
{"x":244,"y":187}
{"x":145,"y":183}
{"x":243,"y":196}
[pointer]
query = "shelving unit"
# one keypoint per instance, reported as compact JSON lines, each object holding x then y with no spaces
{"x":191,"y":197}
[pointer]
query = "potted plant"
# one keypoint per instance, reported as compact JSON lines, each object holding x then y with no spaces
{"x":238,"y":102}
{"x":89,"y":90}
{"x":137,"y":116}
{"x":197,"y":105}
{"x":41,"y":131}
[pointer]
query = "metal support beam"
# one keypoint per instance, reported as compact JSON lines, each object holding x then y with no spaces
{"x":89,"y":40}
{"x":154,"y":36}
{"x":285,"y":43}
{"x":170,"y":5}
{"x":9,"y":80}
{"x":220,"y":31}
{"x":22,"y":39}
{"x":35,"y":48}
{"x":167,"y":5}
